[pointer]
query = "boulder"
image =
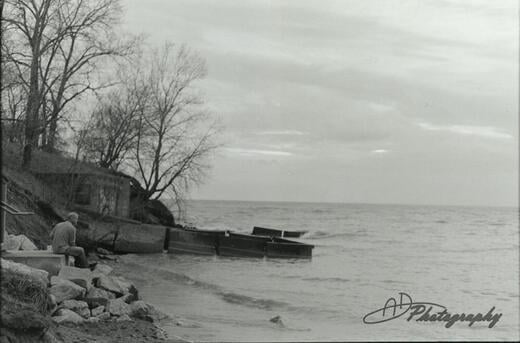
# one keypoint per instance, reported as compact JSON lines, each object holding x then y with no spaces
{"x":80,"y":276}
{"x":103,"y":316}
{"x":80,"y":307}
{"x":102,"y":269}
{"x":97,"y":311}
{"x":116,"y":285}
{"x":142,"y":310}
{"x":129,"y":298}
{"x":52,"y":305}
{"x":159,"y":211}
{"x":93,"y":319}
{"x":27,"y":244}
{"x":108,"y":283}
{"x":117,"y":307}
{"x":140,"y":238}
{"x":12,"y":242}
{"x":96,"y":302}
{"x":33,"y":273}
{"x":277,"y":320}
{"x":19,"y":242}
{"x":64,"y":289}
{"x":68,"y":316}
{"x":124,"y":318}
{"x":95,"y":292}
{"x":126,"y":286}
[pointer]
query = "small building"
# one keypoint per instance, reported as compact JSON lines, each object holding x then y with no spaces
{"x":89,"y":187}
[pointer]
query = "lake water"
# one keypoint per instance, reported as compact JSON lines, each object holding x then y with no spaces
{"x":464,"y":258}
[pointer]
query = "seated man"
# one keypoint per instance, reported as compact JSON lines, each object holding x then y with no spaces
{"x":64,"y":240}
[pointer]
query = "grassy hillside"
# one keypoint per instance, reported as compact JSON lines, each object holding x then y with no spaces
{"x":28,"y":193}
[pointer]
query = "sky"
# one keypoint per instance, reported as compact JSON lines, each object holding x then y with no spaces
{"x":405,"y":102}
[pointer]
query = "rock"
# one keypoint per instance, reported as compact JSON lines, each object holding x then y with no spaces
{"x":187,"y":324}
{"x":140,"y":238}
{"x":98,"y":297}
{"x":159,"y":211}
{"x":124,"y":318}
{"x":140,"y":309}
{"x":103,"y":316}
{"x":276,"y":320}
{"x":126,"y":286}
{"x":64,"y":289}
{"x":19,"y":242}
{"x":95,"y":292}
{"x":129,"y":298}
{"x":80,"y":276}
{"x":33,"y":273}
{"x":12,"y":243}
{"x":97,"y":311}
{"x":102,"y":269}
{"x":52,"y":305}
{"x":94,"y":319}
{"x":96,"y":302}
{"x":103,"y":251}
{"x":118,"y":307}
{"x":109,"y":284}
{"x":27,"y":244}
{"x":116,"y":285}
{"x":68,"y":316}
{"x":80,"y":307}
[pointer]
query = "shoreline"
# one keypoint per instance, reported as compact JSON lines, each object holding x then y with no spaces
{"x":134,"y":331}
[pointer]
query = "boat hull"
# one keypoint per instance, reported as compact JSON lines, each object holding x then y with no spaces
{"x":288,"y":250}
{"x":193,"y":241}
{"x":242,"y":245}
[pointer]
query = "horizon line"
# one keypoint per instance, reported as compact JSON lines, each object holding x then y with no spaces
{"x":359,"y":203}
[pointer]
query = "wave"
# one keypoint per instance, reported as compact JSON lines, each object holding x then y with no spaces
{"x":227,"y":296}
{"x":240,"y":299}
{"x":327,"y":279}
{"x":324,"y":234}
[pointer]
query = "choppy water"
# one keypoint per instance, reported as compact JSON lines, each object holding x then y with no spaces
{"x":466,"y":259}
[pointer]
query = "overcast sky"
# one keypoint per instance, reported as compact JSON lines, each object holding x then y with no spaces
{"x":369,"y":101}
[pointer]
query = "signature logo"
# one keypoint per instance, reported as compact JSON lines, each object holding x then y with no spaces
{"x":426,"y":312}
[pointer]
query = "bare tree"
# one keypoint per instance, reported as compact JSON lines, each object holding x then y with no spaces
{"x":115,"y":124}
{"x":174,"y":135}
{"x":56,"y":46}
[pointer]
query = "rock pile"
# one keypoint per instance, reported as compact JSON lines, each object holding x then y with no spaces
{"x":83,"y":295}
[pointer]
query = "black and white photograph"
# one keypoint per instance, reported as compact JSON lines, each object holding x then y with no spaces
{"x":259,"y":171}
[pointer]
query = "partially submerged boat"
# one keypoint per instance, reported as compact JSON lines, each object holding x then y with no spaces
{"x":262,"y":231}
{"x":236,"y":244}
{"x":194,"y":241}
{"x":227,"y":243}
{"x":284,"y":248}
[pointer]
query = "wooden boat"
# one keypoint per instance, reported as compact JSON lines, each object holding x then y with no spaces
{"x":262,"y":231}
{"x":225,"y":243}
{"x":236,"y":244}
{"x":194,"y":241}
{"x":284,"y":248}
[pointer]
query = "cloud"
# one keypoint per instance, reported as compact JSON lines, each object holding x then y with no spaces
{"x":256,"y":152}
{"x":481,"y":131}
{"x":379,"y":151}
{"x":281,"y":133}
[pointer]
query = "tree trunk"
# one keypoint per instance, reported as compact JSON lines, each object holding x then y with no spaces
{"x":50,"y":145}
{"x":33,"y":102}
